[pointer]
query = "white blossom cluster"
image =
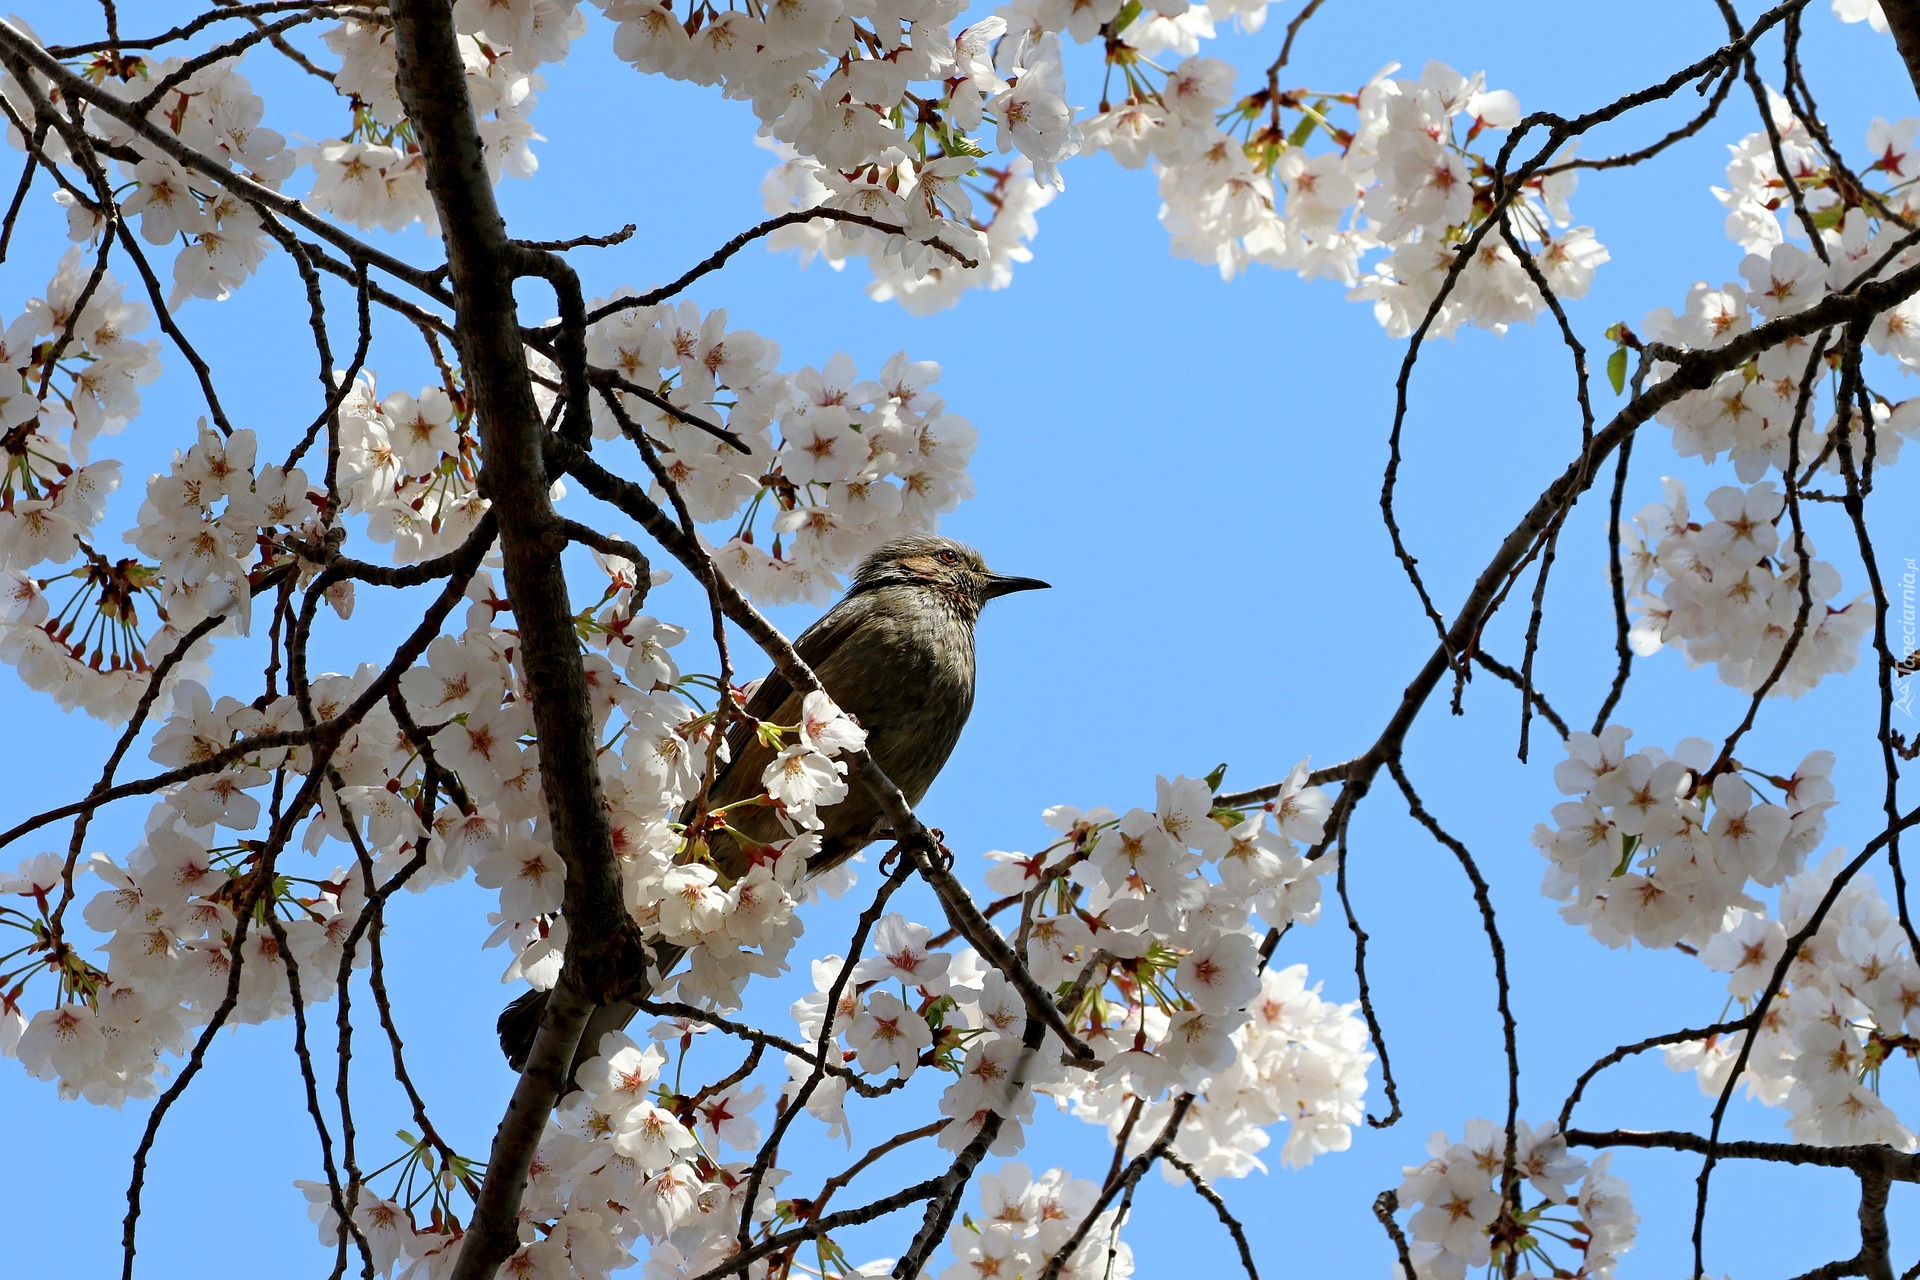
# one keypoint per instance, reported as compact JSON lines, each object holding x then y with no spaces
{"x":1849,"y":1004}
{"x":1175,"y":997}
{"x":833,"y":85}
{"x":214,"y":111}
{"x":201,"y":524}
{"x":1297,"y":1058}
{"x":733,"y":930}
{"x":1403,"y":183}
{"x":1651,"y":851}
{"x":616,"y":1167}
{"x":91,"y":660}
{"x":1729,"y":592}
{"x":839,"y":464}
{"x":410,"y":465}
{"x":1456,"y":1205}
{"x":94,"y":387}
{"x":375,"y":176}
{"x":65,"y":379}
{"x":934,"y":282}
{"x":167,"y":911}
{"x":1747,"y":413}
{"x":616,"y":1171}
{"x":850,"y":118}
{"x":202,"y":527}
{"x":952,"y":1012}
{"x":835,"y":464}
{"x":625,"y":1166}
{"x":1153,"y":913}
{"x":1023,"y":1221}
{"x":1761,"y":215}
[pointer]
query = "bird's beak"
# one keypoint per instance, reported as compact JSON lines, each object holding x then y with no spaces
{"x":999,"y":584}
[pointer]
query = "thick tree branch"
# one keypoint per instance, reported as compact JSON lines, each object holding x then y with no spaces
{"x":1903,"y":19}
{"x":482,"y":263}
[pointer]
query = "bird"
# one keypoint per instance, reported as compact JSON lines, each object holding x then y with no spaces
{"x":896,"y":653}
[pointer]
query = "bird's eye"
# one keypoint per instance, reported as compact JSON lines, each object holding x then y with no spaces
{"x":949,"y":557}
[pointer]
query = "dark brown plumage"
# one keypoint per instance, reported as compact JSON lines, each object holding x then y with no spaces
{"x":896,"y":653}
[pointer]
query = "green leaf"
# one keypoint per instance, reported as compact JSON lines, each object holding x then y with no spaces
{"x":1214,"y":779}
{"x":959,"y":144}
{"x":1628,"y":844}
{"x":936,"y":1014}
{"x":1128,"y":12}
{"x":1304,"y":130}
{"x":1830,"y":217}
{"x":1617,"y":370}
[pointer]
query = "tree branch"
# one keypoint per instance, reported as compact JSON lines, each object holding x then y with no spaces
{"x":482,"y":264}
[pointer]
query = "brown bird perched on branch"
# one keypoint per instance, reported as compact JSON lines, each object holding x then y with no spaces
{"x":896,"y":653}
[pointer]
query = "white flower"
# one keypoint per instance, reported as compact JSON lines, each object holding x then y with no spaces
{"x":1222,"y":974}
{"x":529,"y":874}
{"x":826,"y":728}
{"x":901,"y":955}
{"x":621,"y":1074}
{"x":887,"y":1035}
{"x":801,"y":779}
{"x":650,"y":1135}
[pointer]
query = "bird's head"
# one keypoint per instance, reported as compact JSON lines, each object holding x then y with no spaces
{"x":951,"y":570}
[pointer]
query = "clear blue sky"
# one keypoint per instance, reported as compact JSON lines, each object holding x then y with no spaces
{"x":1195,"y":466}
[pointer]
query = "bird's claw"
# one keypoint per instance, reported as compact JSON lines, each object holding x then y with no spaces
{"x":937,"y":851}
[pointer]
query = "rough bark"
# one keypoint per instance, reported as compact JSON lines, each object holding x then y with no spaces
{"x":483,"y":264}
{"x":1903,"y":18}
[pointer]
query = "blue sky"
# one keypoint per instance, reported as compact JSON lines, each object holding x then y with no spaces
{"x":1194,"y":465}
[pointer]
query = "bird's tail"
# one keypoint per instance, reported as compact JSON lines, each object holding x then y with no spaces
{"x":519,"y":1022}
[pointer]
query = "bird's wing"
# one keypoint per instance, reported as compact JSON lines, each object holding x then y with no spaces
{"x":815,"y":644}
{"x":774,"y":700}
{"x":843,"y":660}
